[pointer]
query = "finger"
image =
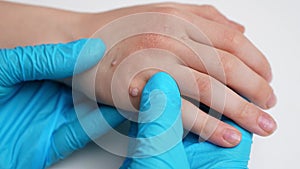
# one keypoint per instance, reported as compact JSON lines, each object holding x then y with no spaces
{"x":211,"y":13}
{"x":236,"y":157}
{"x":160,"y":127}
{"x":234,"y":73}
{"x":137,"y":85}
{"x":193,"y":118}
{"x":75,"y":135}
{"x":208,"y":127}
{"x":246,"y":135}
{"x":231,"y":41}
{"x":205,"y":89}
{"x":51,"y":61}
{"x":222,"y":99}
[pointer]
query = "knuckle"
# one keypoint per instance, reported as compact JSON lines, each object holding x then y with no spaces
{"x":209,"y":127}
{"x":245,"y":110}
{"x":232,"y":39}
{"x":204,"y":84}
{"x":228,"y":63}
{"x":205,"y":133}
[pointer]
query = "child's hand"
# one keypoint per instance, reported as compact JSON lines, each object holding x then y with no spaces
{"x":208,"y":65}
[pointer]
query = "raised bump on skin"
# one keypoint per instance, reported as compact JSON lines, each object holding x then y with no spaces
{"x":134,"y":92}
{"x":113,"y":63}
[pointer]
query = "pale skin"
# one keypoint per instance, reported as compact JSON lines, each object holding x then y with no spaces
{"x":26,"y":25}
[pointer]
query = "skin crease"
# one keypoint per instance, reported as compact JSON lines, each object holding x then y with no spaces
{"x":239,"y":56}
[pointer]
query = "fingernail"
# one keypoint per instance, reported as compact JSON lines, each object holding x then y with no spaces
{"x":266,"y":123}
{"x":272,"y":101}
{"x":232,"y":136}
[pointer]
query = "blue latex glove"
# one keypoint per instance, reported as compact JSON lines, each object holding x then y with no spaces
{"x":37,"y":119}
{"x":205,"y":155}
{"x":159,"y":129}
{"x":52,"y":61}
{"x":39,"y":125}
{"x":201,"y":155}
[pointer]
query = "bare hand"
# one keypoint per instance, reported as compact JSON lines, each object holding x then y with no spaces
{"x":226,"y":64}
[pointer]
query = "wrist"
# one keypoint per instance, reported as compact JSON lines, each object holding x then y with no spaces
{"x":87,"y":24}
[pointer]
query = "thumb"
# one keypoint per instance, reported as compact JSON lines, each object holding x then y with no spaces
{"x":158,"y":143}
{"x":50,"y":61}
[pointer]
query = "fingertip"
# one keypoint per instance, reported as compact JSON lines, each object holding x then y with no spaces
{"x":162,"y":81}
{"x":245,"y":134}
{"x":228,"y":139}
{"x":272,"y":100}
{"x":89,"y":53}
{"x":267,"y":124}
{"x":269,"y":76}
{"x":160,"y":90}
{"x":93,"y":50}
{"x":97,"y":47}
{"x":231,"y":137}
{"x":228,"y":134}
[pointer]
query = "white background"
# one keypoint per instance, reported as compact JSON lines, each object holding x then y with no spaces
{"x":274,"y":26}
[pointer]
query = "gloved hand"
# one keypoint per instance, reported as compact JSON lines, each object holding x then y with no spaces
{"x":200,"y":155}
{"x":39,"y":125}
{"x":205,"y":155}
{"x":41,"y":62}
{"x":157,"y":136}
{"x":37,"y":119}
